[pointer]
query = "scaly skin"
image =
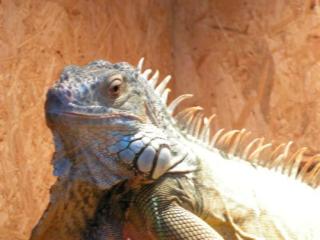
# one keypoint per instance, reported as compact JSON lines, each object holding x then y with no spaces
{"x":116,"y":138}
{"x":168,"y":209}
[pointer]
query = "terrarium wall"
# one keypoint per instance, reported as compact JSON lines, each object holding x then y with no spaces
{"x":254,"y":63}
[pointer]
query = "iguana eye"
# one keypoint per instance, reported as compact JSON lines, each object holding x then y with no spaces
{"x":115,"y":85}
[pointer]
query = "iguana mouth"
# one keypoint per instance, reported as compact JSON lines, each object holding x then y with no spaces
{"x":118,"y":115}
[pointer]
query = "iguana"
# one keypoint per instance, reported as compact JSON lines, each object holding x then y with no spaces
{"x":124,"y":156}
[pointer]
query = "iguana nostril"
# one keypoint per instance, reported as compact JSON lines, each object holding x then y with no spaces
{"x":68,"y":92}
{"x":53,"y":101}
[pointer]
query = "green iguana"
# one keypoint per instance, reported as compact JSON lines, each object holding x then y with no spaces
{"x":124,"y":157}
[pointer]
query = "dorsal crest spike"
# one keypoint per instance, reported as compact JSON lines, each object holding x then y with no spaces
{"x":162,"y":85}
{"x":193,"y":122}
{"x":295,"y":160}
{"x":189,"y":119}
{"x":209,"y":120}
{"x":206,"y":129}
{"x":154,"y":79}
{"x":314,"y":175}
{"x":164,"y":95}
{"x":146,"y":73}
{"x":275,"y":152}
{"x":303,"y":173}
{"x":198,"y":124}
{"x":173,"y":105}
{"x":246,"y":151}
{"x":280,"y":160}
{"x":256,"y":153}
{"x":216,"y":137}
{"x":226,"y":139}
{"x":287,"y":149}
{"x":236,"y":142}
{"x":184,"y":114}
{"x":140,"y":64}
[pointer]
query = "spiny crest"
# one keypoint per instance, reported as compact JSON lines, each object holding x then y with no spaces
{"x":239,"y":143}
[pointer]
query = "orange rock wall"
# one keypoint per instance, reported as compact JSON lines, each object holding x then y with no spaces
{"x":255,"y":63}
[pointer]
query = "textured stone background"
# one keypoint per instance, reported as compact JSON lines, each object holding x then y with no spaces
{"x":253,"y":62}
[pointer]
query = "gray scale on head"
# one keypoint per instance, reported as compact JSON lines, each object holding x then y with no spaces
{"x":127,"y":156}
{"x":146,"y":140}
{"x":136,"y":145}
{"x":119,"y":146}
{"x":138,"y":135}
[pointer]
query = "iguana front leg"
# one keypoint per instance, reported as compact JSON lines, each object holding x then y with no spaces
{"x":158,"y":209}
{"x":175,"y":222}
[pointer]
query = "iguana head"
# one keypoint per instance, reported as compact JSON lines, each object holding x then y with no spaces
{"x":110,"y":123}
{"x":99,"y":93}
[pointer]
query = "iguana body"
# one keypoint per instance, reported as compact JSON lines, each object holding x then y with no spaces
{"x":122,"y":157}
{"x":237,"y":199}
